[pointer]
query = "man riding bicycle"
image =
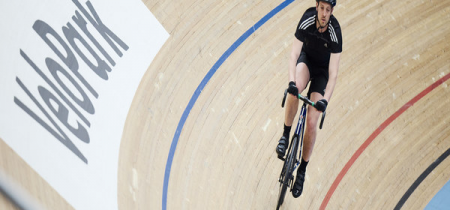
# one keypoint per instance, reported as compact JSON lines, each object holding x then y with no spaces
{"x":314,"y":57}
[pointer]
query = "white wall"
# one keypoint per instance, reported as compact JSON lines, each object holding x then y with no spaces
{"x":69,"y":125}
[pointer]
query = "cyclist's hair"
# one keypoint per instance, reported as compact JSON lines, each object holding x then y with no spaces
{"x":332,"y":2}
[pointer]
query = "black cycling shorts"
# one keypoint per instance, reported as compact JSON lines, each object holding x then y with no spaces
{"x":318,"y":74}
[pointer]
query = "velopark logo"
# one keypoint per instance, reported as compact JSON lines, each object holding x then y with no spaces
{"x":68,"y":95}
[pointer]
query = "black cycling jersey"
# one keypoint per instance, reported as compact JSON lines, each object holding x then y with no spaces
{"x":319,"y":46}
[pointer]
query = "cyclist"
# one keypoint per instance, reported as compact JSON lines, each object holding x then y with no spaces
{"x":315,"y":57}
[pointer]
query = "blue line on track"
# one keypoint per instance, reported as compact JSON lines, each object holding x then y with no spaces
{"x":200,"y":87}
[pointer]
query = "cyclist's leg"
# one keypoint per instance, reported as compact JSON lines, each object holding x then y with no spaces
{"x":301,"y":80}
{"x":316,"y":93}
{"x":308,"y":145}
{"x":311,"y":127}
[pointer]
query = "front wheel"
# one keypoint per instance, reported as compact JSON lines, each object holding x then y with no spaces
{"x":286,"y":174}
{"x":283,"y":185}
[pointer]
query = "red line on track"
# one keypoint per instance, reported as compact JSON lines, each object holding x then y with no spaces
{"x":374,"y":135}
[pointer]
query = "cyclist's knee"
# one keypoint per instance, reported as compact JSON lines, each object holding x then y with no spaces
{"x":311,"y":124}
{"x":313,"y":118}
{"x":291,"y":100}
{"x":301,"y":76}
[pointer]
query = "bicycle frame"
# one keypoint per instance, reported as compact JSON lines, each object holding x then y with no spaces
{"x":300,"y":129}
{"x":291,"y":162}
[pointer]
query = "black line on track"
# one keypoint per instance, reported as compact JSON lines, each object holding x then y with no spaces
{"x":421,"y":178}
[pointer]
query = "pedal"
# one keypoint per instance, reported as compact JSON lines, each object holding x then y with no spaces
{"x":281,"y":158}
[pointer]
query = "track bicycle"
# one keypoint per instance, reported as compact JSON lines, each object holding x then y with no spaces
{"x":292,"y":161}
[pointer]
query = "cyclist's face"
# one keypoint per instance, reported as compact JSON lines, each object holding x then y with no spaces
{"x":324,"y":12}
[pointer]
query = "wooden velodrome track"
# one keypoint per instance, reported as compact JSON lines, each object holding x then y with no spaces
{"x":385,"y":125}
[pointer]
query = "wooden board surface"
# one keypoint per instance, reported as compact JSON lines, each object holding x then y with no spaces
{"x":225,"y":159}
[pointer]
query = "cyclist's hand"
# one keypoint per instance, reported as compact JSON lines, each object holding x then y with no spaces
{"x":321,"y":105}
{"x":292,"y":89}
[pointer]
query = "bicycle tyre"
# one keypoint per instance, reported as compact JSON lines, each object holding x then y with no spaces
{"x":288,"y":167}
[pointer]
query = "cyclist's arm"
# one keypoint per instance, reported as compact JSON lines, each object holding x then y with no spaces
{"x":295,"y":53}
{"x":332,"y":72}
